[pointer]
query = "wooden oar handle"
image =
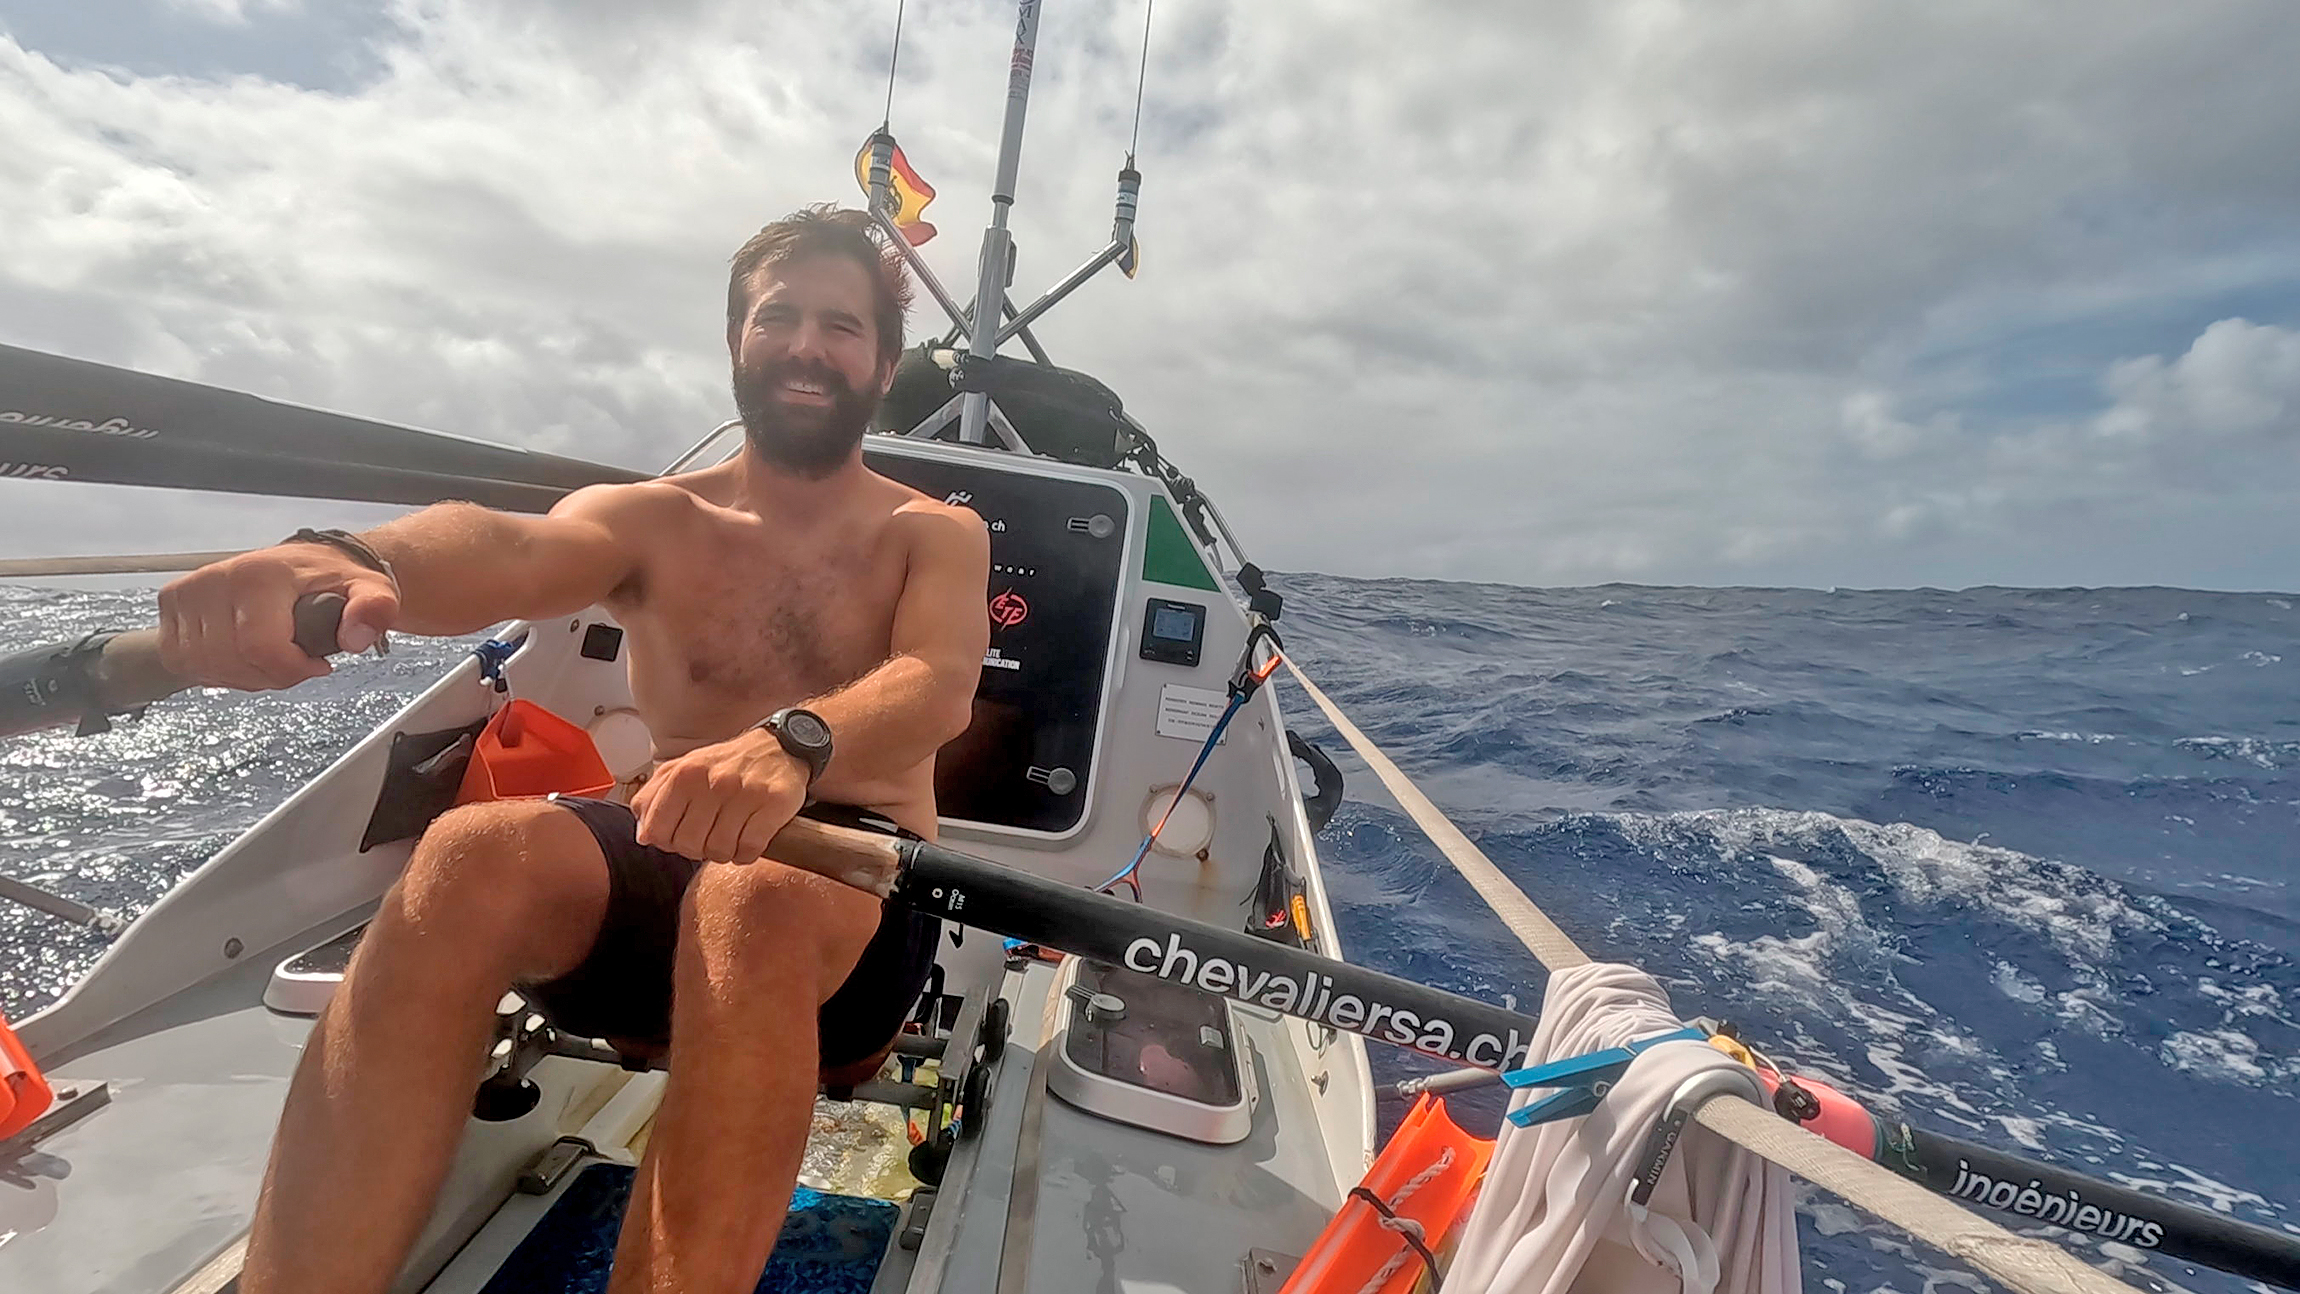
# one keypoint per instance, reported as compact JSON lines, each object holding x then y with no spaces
{"x":864,"y":860}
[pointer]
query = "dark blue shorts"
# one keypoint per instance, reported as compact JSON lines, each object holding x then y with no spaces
{"x":622,"y":989}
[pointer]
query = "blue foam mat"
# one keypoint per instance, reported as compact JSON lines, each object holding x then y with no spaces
{"x":831,"y":1244}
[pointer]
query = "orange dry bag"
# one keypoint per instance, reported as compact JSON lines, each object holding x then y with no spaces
{"x":526,"y":750}
{"x":24,"y":1094}
{"x":1427,"y":1173}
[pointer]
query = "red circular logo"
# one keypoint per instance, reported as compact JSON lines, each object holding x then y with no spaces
{"x":1008,"y":610}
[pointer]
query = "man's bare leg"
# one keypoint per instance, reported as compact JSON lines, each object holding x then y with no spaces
{"x":761,"y":948}
{"x":494,"y":893}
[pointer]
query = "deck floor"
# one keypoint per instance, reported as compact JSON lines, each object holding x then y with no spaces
{"x":142,"y":1192}
{"x":145,"y":1191}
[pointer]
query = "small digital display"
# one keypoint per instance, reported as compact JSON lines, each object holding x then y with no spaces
{"x":1172,"y":632}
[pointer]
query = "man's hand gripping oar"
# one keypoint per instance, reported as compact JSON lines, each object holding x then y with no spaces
{"x":256,"y":622}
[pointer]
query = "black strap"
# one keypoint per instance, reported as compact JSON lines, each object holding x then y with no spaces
{"x":345,"y":542}
{"x":1410,"y":1232}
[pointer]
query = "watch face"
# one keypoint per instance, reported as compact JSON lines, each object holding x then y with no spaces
{"x":806,"y":729}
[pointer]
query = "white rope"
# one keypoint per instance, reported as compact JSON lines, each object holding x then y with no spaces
{"x":1405,"y":1226}
{"x":2031,"y":1266}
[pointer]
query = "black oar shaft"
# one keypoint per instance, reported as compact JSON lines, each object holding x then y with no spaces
{"x":136,"y":418}
{"x":1231,"y":963}
{"x":42,"y":453}
{"x":2039,"y":1192}
{"x":56,"y":905}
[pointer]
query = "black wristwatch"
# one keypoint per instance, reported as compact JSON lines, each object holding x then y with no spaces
{"x":804,"y":734}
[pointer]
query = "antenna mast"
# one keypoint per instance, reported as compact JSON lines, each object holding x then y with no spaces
{"x":997,"y":263}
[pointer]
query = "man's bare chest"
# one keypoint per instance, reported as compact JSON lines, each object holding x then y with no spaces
{"x":762,"y":622}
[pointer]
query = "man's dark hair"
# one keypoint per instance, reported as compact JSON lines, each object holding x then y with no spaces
{"x":826,"y":230}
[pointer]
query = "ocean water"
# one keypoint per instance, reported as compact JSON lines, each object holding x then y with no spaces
{"x":2014,"y":864}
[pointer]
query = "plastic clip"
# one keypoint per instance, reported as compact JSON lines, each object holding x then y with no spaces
{"x":1585,"y":1079}
{"x":493,"y":655}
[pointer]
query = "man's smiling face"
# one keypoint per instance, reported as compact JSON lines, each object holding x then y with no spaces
{"x":807,"y":371}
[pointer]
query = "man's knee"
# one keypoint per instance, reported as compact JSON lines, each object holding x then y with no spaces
{"x":499,"y":869}
{"x":781,"y":918}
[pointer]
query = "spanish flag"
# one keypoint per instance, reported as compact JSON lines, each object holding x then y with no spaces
{"x":911,"y":195}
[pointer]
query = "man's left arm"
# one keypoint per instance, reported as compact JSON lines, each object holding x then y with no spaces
{"x":897,"y":716}
{"x":725,"y":802}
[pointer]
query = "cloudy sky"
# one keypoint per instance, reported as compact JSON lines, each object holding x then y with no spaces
{"x":1540,"y":291}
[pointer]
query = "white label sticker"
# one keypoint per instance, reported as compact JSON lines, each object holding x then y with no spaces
{"x":1189,"y":712}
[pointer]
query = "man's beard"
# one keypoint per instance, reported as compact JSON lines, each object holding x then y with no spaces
{"x":804,"y":440}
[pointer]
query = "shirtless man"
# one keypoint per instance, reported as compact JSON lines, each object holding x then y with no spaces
{"x":790,"y":577}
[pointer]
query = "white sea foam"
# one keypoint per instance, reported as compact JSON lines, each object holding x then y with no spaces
{"x":1939,"y":1278}
{"x":2082,"y":916}
{"x":2028,"y":1132}
{"x":2225,"y":1054}
{"x":2017,"y":985}
{"x":2252,"y":750}
{"x":2248,"y":1000}
{"x":2215,"y":1194}
{"x":2088,"y":1007}
{"x":1830,"y":1217}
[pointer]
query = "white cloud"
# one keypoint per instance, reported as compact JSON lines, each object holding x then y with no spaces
{"x":2238,"y":379}
{"x":1871,"y":424}
{"x":234,"y":12}
{"x":1561,"y":293}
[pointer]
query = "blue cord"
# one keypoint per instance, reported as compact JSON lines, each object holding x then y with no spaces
{"x":1212,"y":739}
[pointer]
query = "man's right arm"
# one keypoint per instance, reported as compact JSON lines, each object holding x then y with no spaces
{"x":460,"y":568}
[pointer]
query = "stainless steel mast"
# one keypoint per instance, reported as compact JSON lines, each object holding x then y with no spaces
{"x":997,"y":245}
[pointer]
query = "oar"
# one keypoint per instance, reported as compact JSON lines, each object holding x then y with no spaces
{"x":40,"y":453}
{"x":83,"y":683}
{"x":1463,"y":1030}
{"x":69,"y":419}
{"x":61,"y":908}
